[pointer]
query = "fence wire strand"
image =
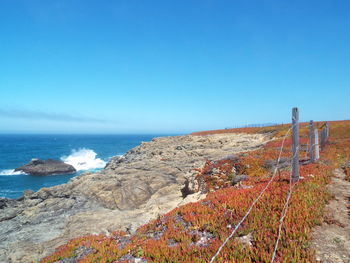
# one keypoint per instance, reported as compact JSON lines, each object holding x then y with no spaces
{"x":283,"y":215}
{"x":257,"y":199}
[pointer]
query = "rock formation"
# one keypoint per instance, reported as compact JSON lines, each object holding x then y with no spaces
{"x":130,"y":191}
{"x":46,"y":167}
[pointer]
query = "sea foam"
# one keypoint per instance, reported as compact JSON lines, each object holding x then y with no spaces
{"x":84,"y":159}
{"x":10,"y":172}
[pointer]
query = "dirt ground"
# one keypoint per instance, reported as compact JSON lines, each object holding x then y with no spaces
{"x":332,"y":238}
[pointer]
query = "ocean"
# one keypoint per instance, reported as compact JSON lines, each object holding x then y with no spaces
{"x":84,"y":152}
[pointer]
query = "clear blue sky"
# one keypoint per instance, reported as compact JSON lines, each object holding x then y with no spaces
{"x":170,"y":65}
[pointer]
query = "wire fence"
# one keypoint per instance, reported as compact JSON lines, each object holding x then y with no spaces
{"x":283,"y":215}
{"x":293,"y":178}
{"x":256,"y":200}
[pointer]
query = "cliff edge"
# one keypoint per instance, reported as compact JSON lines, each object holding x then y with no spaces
{"x":130,"y":191}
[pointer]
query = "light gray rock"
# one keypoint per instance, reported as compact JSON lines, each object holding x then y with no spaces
{"x":239,"y":178}
{"x":283,"y":163}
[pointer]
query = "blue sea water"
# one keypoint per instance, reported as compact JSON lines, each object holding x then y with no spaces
{"x":84,"y":152}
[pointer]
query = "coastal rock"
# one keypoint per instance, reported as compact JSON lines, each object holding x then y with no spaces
{"x":283,"y":163}
{"x":46,"y":167}
{"x":239,"y":178}
{"x":3,"y":203}
{"x":133,"y":189}
{"x":114,"y":162}
{"x":191,"y":185}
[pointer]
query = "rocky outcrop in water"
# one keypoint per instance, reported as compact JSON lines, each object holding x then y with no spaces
{"x":130,"y":191}
{"x":46,"y":167}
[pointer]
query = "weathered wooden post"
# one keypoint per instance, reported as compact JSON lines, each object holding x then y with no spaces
{"x":312,"y":141}
{"x":317,"y":147}
{"x":295,"y":141}
{"x":323,"y":138}
{"x":307,"y":152}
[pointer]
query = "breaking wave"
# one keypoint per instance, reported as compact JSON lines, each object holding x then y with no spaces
{"x":84,"y":159}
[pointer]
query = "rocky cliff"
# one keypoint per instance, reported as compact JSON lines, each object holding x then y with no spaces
{"x":131,"y":190}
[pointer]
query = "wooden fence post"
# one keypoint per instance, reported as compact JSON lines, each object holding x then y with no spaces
{"x":312,"y":141}
{"x":307,"y":153}
{"x":295,"y":141}
{"x":324,"y":135}
{"x":316,"y":145}
{"x":323,"y":138}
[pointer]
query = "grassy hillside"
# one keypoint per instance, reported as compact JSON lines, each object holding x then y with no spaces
{"x":194,"y":232}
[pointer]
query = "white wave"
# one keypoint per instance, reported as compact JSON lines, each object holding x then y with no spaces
{"x":84,"y":159}
{"x":10,"y":172}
